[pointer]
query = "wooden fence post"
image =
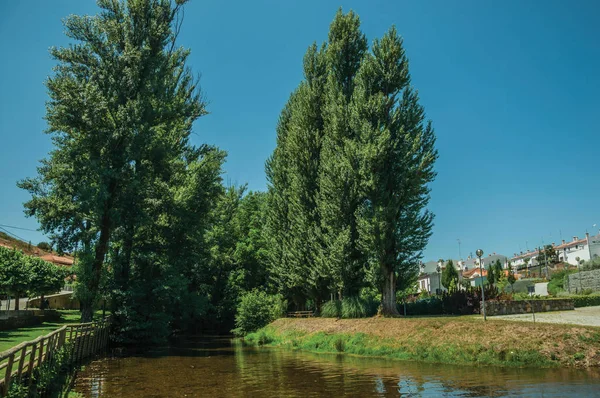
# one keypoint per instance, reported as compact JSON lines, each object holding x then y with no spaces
{"x":7,"y":378}
{"x":31,"y":360}
{"x":21,"y":362}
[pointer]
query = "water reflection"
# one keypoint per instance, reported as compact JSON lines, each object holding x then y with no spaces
{"x":216,"y":367}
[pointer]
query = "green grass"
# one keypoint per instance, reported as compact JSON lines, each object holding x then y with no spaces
{"x":11,"y":338}
{"x":362,"y":344}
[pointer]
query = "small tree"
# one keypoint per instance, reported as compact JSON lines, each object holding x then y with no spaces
{"x":511,"y":279}
{"x":256,"y":310}
{"x":15,"y":273}
{"x":45,"y":246}
{"x":46,"y":278}
{"x":450,"y":276}
{"x":498,"y":271}
{"x":491,"y":275}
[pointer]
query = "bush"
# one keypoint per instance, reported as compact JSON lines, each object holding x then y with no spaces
{"x":586,"y":301}
{"x":591,"y":264}
{"x":557,"y":281}
{"x":332,"y":309}
{"x":356,"y":307}
{"x":427,"y":306}
{"x":350,"y":307}
{"x":45,"y":246}
{"x":256,"y":310}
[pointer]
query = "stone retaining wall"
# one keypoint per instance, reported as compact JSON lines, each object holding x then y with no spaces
{"x":61,"y":301}
{"x":17,"y":319}
{"x":589,"y":280}
{"x":508,"y":307}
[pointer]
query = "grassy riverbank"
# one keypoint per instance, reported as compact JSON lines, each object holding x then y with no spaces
{"x":453,"y":340}
{"x":11,"y":338}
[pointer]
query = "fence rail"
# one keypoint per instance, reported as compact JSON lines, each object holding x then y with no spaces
{"x":19,"y":362}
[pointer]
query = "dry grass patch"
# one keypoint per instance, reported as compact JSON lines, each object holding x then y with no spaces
{"x":493,"y":342}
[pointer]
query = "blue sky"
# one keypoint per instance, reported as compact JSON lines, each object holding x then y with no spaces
{"x":512,"y":88}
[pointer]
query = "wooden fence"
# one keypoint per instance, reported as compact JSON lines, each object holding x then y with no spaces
{"x":19,"y":362}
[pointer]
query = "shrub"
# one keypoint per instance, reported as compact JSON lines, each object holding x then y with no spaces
{"x":332,"y":309}
{"x":591,"y":264}
{"x":356,"y":307}
{"x":256,"y":310}
{"x":557,"y":281}
{"x":586,"y":301}
{"x":339,"y":344}
{"x":427,"y":306}
{"x":45,"y":246}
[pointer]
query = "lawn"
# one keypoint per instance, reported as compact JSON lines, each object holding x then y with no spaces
{"x":11,"y":338}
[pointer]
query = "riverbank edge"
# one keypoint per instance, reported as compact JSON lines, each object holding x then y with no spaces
{"x":438,"y":340}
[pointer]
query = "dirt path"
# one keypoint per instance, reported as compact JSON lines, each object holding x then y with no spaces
{"x":589,"y":316}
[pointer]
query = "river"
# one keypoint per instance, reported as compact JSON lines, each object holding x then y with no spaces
{"x":219,"y":367}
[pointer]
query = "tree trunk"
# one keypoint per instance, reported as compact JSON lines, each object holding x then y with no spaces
{"x":17,"y":301}
{"x":388,"y":296}
{"x":100,"y":254}
{"x":42,"y":302}
{"x":87,"y":312}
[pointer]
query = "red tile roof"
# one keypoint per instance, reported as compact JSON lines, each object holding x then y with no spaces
{"x":58,"y":260}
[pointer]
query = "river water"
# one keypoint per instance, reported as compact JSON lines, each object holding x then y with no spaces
{"x":218,"y":367}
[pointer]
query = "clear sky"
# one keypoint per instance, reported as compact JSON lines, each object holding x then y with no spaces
{"x":511,"y":86}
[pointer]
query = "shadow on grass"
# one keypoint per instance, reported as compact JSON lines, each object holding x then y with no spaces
{"x":11,"y":338}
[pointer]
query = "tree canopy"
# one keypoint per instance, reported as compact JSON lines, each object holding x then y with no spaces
{"x":348,"y":180}
{"x":450,"y":276}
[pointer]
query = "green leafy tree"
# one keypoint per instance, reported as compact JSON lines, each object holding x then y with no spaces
{"x":397,"y":156}
{"x":353,"y":140}
{"x":449,"y":275}
{"x":340,"y":192}
{"x":491,"y":275}
{"x":15,"y":273}
{"x":46,"y":278}
{"x":257,"y":309}
{"x":45,"y":246}
{"x":511,"y":279}
{"x":122,"y":103}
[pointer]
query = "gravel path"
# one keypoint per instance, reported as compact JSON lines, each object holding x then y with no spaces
{"x":589,"y":316}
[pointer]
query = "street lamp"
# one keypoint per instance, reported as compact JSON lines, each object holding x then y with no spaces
{"x":479,"y":253}
{"x":439,"y":269}
{"x":579,"y":274}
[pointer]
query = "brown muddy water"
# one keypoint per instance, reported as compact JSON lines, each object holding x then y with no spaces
{"x":219,"y":367}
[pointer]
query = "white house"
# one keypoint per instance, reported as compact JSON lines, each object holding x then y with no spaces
{"x":585,"y":249}
{"x":430,"y":280}
{"x":568,"y":252}
{"x":522,"y":260}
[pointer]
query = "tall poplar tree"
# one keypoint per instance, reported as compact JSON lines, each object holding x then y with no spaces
{"x":122,"y":103}
{"x":397,"y":156}
{"x":339,"y":194}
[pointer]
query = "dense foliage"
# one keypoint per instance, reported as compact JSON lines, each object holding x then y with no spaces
{"x":256,"y":310}
{"x":156,"y":233}
{"x":143,"y":210}
{"x":456,"y":302}
{"x":28,"y":276}
{"x":348,"y":180}
{"x":450,"y":276}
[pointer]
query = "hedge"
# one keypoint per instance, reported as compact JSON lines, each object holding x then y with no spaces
{"x":585,"y":301}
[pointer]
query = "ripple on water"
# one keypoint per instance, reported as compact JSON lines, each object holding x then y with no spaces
{"x":218,"y":368}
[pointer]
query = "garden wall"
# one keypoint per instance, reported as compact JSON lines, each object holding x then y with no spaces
{"x":61,"y":301}
{"x":584,"y":280}
{"x":507,"y":307}
{"x":17,"y":319}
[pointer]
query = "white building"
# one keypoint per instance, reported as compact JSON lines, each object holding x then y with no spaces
{"x":568,"y":252}
{"x":429,"y":278}
{"x":585,"y":249}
